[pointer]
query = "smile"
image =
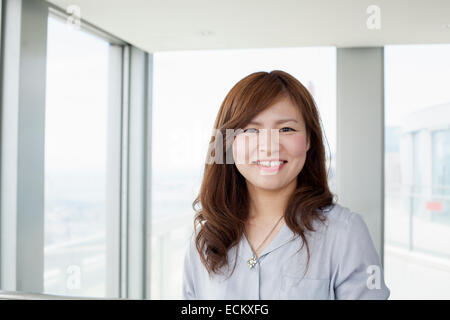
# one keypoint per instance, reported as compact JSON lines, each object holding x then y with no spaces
{"x":270,"y":166}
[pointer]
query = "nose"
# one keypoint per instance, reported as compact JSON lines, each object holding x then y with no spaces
{"x":268,"y":143}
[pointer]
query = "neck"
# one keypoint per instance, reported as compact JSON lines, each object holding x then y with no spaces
{"x":269,"y":205}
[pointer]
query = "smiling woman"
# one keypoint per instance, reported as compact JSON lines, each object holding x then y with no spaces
{"x":276,"y":177}
{"x":265,"y":152}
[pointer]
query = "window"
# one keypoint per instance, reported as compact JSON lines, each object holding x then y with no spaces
{"x":441,"y":177}
{"x":417,"y":162}
{"x":192,"y":85}
{"x":75,"y":161}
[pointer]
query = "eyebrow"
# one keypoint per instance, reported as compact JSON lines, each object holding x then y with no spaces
{"x":276,"y":122}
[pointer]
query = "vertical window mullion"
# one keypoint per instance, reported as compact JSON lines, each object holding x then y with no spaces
{"x":136,"y":177}
{"x":113,"y":205}
{"x":124,"y":175}
{"x":148,"y":174}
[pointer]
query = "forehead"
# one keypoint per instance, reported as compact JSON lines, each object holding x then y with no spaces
{"x":282,"y":110}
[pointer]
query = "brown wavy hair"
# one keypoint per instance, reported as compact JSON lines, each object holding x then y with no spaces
{"x":222,"y":205}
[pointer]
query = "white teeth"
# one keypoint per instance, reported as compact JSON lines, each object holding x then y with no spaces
{"x":270,"y":163}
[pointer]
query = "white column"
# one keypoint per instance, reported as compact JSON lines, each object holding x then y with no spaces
{"x":22,"y":149}
{"x":360,"y":136}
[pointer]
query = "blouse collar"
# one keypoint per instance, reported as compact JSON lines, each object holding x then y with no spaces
{"x":284,"y":235}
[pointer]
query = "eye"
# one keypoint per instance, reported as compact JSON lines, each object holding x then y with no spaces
{"x":289,"y":129}
{"x":251,"y":129}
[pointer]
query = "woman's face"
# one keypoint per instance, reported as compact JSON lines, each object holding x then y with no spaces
{"x":277,"y":133}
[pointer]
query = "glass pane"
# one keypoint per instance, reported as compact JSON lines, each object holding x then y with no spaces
{"x":201,"y":80}
{"x":417,"y":164}
{"x":75,"y":158}
{"x":441,"y":178}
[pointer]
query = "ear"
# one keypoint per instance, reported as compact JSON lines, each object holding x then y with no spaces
{"x":307,"y":143}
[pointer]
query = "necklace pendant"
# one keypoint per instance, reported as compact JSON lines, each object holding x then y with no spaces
{"x":251,"y":262}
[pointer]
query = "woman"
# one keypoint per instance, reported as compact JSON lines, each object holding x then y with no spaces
{"x":269,"y":212}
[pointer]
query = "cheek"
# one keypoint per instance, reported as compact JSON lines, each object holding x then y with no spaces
{"x":238,"y":148}
{"x":243,"y":147}
{"x":295,"y":145}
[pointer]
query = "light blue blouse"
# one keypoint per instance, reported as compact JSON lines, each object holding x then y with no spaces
{"x":344,"y":264}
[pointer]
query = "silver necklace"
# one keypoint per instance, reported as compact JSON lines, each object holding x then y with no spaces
{"x":252,"y":261}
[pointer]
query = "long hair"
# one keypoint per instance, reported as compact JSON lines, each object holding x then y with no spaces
{"x":222,"y":205}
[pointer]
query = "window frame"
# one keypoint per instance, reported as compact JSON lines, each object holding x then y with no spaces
{"x":128,"y":165}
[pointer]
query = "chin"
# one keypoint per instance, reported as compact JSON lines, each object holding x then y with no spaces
{"x":269,"y":185}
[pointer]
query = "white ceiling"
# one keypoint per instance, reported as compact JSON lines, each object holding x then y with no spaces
{"x":229,"y":24}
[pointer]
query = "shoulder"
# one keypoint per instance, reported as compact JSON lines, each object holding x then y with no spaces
{"x":341,"y":216}
{"x":343,"y":222}
{"x":191,"y":246}
{"x":192,"y":242}
{"x":337,"y":216}
{"x":348,"y":231}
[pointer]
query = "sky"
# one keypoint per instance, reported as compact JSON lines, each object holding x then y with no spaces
{"x":416,"y":77}
{"x":76,"y":99}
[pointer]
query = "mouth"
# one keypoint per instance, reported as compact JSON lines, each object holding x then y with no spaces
{"x":270,"y":165}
